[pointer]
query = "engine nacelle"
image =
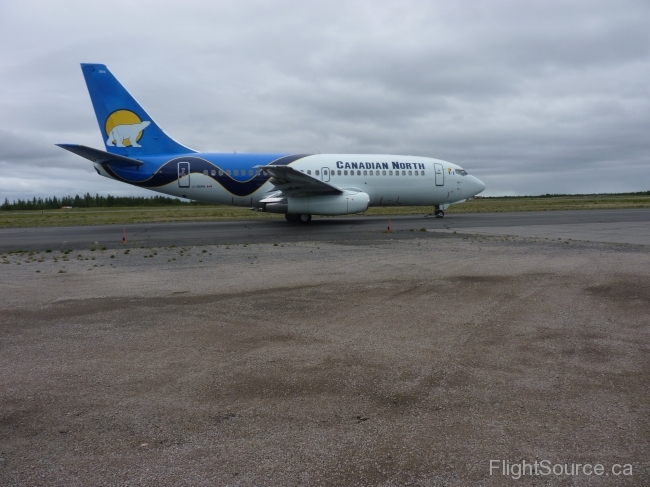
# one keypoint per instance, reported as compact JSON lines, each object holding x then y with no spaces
{"x":335,"y":204}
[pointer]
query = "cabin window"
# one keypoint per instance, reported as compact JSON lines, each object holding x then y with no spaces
{"x":383,"y":173}
{"x":410,"y":173}
{"x":359,"y":173}
{"x":213,"y":172}
{"x":228,"y":172}
{"x":396,"y":173}
{"x":403,"y":173}
{"x":345,"y":173}
{"x":422,"y":173}
{"x":220,"y":172}
{"x":416,"y":173}
{"x":390,"y":173}
{"x":309,"y":171}
{"x":235,"y":172}
{"x":338,"y":172}
{"x":205,"y":171}
{"x":365,"y":173}
{"x":317,"y":172}
{"x":370,"y":173}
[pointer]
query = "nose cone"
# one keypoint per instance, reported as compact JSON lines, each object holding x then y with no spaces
{"x":477,"y":185}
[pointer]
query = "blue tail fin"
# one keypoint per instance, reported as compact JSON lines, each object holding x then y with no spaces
{"x":126,"y":128}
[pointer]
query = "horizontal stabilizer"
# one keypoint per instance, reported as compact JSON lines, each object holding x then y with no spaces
{"x":101,"y":157}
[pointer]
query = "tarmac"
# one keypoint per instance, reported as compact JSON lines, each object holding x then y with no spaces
{"x":329,"y":354}
{"x":622,"y":226}
{"x":637,"y":233}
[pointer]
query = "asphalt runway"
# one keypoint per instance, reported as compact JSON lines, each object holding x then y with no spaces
{"x":588,"y":225}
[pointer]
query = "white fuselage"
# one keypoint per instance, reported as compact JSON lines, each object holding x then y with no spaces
{"x":388,"y":180}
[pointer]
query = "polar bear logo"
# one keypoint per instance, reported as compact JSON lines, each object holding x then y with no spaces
{"x":129,"y":132}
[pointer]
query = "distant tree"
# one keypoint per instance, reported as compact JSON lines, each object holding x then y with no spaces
{"x":88,"y":201}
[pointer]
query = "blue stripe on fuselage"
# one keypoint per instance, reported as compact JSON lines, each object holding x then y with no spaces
{"x":159,"y":171}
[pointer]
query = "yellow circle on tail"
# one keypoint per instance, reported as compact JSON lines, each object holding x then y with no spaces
{"x":122,"y":117}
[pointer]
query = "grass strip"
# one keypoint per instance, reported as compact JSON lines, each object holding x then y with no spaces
{"x":127,"y":215}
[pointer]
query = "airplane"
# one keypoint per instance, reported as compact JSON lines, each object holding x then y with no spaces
{"x":139,"y":153}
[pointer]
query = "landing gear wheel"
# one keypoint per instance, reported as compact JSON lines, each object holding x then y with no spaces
{"x":291,"y":217}
{"x":439,"y":213}
{"x":305,"y":218}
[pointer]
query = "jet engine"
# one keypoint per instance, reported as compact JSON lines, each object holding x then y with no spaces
{"x":336,"y":204}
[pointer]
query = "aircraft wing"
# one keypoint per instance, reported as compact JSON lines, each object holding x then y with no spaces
{"x":96,"y":155}
{"x":296,"y":183}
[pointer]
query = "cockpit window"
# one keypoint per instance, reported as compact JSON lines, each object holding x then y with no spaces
{"x":462,"y":172}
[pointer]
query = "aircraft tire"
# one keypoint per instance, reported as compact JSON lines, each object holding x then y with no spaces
{"x":292,"y":217}
{"x":305,"y":218}
{"x":439,"y":214}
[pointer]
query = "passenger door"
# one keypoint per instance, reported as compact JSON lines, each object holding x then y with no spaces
{"x":440,"y":174}
{"x":183,"y":174}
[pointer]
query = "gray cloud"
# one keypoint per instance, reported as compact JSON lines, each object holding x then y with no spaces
{"x":532,"y":97}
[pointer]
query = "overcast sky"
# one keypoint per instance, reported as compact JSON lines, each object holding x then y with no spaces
{"x":530,"y":97}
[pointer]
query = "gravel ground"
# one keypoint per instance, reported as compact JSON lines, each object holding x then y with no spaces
{"x":394,"y":362}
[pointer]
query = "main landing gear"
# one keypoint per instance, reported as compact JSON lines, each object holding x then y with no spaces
{"x":292,"y":217}
{"x":438,"y":213}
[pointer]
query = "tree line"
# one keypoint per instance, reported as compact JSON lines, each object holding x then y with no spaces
{"x":98,"y":201}
{"x":564,"y":195}
{"x":89,"y":201}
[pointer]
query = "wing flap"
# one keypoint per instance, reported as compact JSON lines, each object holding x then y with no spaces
{"x":296,"y":183}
